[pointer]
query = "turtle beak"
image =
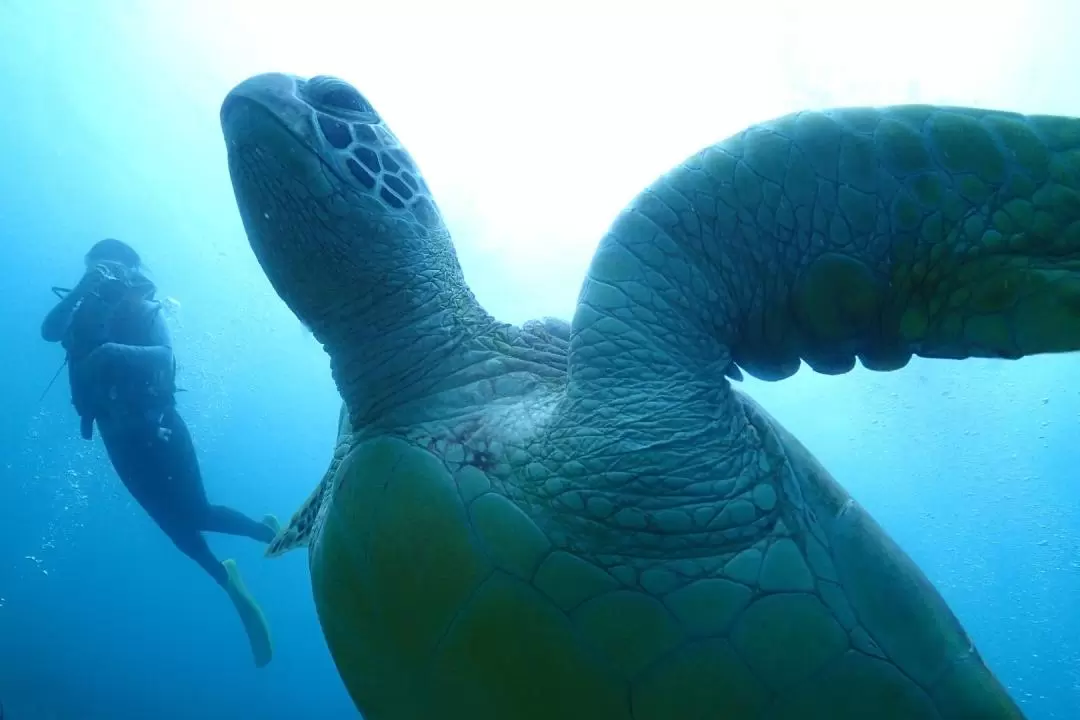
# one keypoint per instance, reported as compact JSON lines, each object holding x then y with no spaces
{"x":276,"y":93}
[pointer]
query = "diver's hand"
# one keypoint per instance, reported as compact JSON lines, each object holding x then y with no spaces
{"x":93,"y":278}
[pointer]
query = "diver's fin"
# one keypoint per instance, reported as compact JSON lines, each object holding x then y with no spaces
{"x":272,"y":522}
{"x":251,"y":615}
{"x":86,"y":428}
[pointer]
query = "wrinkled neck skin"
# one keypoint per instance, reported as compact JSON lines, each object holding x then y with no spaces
{"x":403,"y":346}
{"x":400,"y":338}
{"x":400,"y":351}
{"x":407,"y":364}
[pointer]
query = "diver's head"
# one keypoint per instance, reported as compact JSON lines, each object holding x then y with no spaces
{"x":113,"y":251}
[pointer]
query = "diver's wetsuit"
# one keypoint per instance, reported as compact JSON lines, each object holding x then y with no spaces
{"x":122,"y":374}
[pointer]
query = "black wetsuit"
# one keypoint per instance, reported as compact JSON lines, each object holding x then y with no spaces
{"x":122,"y":375}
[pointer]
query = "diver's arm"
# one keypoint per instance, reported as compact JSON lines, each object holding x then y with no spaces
{"x":56,"y":323}
{"x":137,"y":361}
{"x":140,"y":362}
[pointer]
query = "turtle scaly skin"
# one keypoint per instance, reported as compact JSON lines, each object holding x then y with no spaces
{"x":589,"y":520}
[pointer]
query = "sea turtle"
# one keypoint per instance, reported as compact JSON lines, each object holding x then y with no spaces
{"x":586,"y":519}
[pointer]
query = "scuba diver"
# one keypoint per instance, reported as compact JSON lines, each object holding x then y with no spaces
{"x":122,"y":375}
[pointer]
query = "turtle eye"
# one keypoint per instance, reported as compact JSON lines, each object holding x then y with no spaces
{"x":334,"y":93}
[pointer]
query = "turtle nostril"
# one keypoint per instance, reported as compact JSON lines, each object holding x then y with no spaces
{"x":335,"y":93}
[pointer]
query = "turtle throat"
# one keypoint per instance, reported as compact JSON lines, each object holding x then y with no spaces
{"x":396,"y":339}
{"x":384,"y":295}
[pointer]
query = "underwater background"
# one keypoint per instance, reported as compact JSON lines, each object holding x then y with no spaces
{"x":532,"y":131}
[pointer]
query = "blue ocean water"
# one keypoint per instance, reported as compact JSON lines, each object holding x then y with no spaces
{"x":970,"y":466}
{"x":101,"y":618}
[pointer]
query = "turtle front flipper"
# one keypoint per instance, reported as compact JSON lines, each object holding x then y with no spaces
{"x":856,"y":233}
{"x":302,"y":524}
{"x":306,"y":521}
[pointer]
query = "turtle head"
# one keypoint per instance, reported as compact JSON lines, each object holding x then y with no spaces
{"x":334,"y":207}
